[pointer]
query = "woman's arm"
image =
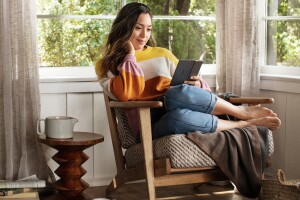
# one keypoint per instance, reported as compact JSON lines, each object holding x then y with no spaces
{"x":130,"y":82}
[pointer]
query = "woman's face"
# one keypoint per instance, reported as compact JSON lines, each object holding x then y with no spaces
{"x":141,"y":32}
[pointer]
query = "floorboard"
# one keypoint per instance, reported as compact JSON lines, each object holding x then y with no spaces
{"x":138,"y":191}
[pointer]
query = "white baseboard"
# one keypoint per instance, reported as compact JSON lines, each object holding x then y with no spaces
{"x":104,"y":181}
{"x":98,"y":181}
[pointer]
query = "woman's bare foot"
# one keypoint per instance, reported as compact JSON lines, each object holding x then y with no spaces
{"x":254,"y":112}
{"x":271,"y":123}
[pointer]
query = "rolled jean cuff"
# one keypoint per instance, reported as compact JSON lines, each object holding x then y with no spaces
{"x":214,"y":125}
{"x":213,"y":102}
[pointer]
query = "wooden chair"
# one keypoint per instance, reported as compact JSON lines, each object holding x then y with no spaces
{"x":157,"y":170}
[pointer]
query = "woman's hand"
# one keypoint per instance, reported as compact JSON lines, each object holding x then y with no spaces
{"x":195,"y":81}
{"x":131,"y":48}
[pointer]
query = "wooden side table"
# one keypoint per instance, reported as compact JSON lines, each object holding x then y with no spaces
{"x":70,"y":157}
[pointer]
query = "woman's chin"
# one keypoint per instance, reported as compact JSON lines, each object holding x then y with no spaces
{"x":139,"y":47}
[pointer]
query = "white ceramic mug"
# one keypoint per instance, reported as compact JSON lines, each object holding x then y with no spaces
{"x":57,"y":127}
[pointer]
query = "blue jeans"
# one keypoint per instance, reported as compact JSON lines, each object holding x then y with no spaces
{"x":186,"y":109}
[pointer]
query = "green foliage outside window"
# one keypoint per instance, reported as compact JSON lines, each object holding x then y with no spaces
{"x":78,"y":42}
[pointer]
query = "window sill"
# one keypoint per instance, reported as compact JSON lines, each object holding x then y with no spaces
{"x":280,"y":78}
{"x":71,"y":74}
{"x":68,"y":80}
{"x":280,"y":83}
{"x":67,"y":74}
{"x":83,"y":79}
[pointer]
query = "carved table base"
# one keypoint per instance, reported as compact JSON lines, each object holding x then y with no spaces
{"x":70,"y":157}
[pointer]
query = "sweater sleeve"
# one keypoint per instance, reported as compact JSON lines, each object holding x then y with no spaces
{"x":204,"y":85}
{"x":130,"y":82}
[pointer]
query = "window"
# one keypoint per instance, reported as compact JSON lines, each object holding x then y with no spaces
{"x":282,"y":37}
{"x":283,"y":33}
{"x":72,"y":32}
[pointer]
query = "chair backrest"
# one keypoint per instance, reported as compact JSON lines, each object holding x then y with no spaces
{"x":119,"y":120}
{"x":125,"y":133}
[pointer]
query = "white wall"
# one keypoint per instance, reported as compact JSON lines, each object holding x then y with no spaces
{"x":84,"y":101}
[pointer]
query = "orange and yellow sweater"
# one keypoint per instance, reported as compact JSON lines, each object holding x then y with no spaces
{"x":145,"y":76}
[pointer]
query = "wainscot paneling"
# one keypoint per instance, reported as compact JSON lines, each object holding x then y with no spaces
{"x":279,"y":107}
{"x":89,"y":109}
{"x":52,"y":105}
{"x":104,"y":162}
{"x":287,"y":137}
{"x":292,"y":150}
{"x":80,"y":106}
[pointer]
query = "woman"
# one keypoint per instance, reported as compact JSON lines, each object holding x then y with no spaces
{"x":134,"y":69}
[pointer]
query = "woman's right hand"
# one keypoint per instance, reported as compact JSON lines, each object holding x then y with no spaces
{"x":131,"y":48}
{"x":195,"y":81}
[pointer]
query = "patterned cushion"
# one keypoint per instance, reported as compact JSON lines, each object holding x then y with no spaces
{"x":182,"y":152}
{"x":126,"y":135}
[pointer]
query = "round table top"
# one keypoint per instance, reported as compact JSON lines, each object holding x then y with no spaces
{"x":79,"y":138}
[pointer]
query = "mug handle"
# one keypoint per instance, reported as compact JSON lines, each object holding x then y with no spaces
{"x":38,"y":127}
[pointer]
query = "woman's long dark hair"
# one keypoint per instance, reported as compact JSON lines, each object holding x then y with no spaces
{"x":116,"y":47}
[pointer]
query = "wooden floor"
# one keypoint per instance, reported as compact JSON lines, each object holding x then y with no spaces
{"x":138,"y":191}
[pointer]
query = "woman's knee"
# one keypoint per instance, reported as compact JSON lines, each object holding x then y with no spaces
{"x":190,"y":97}
{"x":182,"y":121}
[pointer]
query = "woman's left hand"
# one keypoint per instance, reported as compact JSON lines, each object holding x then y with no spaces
{"x":195,"y":81}
{"x":131,"y":48}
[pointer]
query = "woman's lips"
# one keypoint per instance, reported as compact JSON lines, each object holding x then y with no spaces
{"x":141,"y":41}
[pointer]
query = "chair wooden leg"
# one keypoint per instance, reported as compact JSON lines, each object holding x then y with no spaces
{"x":145,"y":127}
{"x":109,"y":190}
{"x":151,"y":190}
{"x":115,"y":184}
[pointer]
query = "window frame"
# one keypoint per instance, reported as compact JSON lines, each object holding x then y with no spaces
{"x":268,"y":71}
{"x":87,"y":73}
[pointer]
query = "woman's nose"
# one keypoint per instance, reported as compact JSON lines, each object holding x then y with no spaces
{"x":143,"y":33}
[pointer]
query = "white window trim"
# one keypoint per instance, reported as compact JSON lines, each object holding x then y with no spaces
{"x":268,"y":70}
{"x":84,"y":79}
{"x":155,"y":17}
{"x":274,"y":78}
{"x":71,"y":74}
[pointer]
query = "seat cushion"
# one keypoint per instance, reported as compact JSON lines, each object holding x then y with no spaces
{"x":181,"y":151}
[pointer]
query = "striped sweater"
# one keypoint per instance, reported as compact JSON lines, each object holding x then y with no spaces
{"x":145,"y":76}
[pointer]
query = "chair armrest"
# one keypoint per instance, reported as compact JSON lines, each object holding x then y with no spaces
{"x":158,"y":104}
{"x":135,"y":104}
{"x":251,"y":100}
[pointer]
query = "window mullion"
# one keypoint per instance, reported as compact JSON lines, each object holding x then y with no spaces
{"x":159,"y":17}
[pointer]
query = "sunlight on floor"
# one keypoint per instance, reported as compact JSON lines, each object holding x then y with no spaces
{"x":213,"y":194}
